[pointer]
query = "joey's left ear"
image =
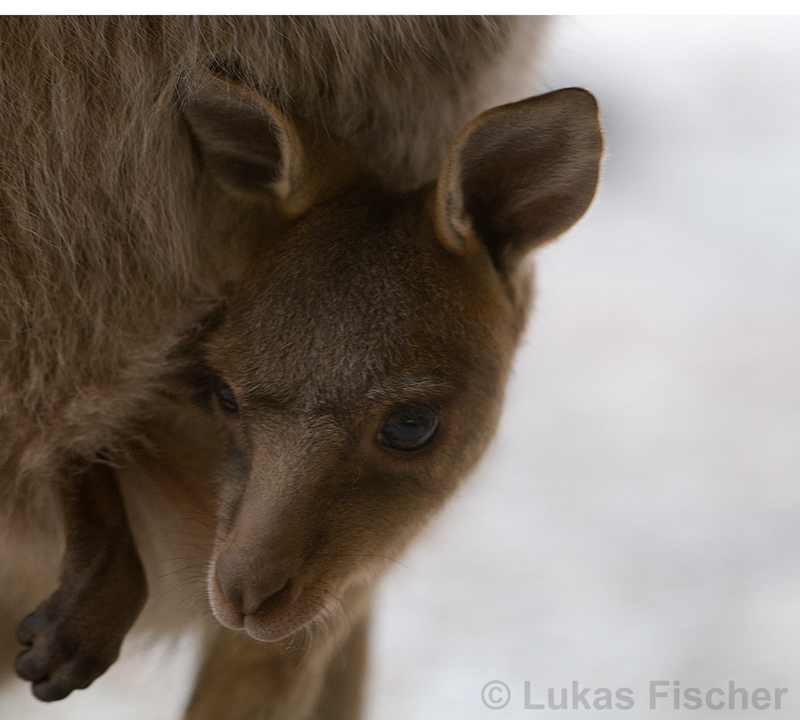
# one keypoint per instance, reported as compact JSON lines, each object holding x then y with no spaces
{"x":252,"y":148}
{"x":520,"y":175}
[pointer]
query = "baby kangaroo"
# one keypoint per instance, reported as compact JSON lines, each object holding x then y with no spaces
{"x":343,"y":375}
{"x":359,"y":364}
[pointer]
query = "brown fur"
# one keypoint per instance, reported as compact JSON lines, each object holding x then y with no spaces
{"x":244,"y":211}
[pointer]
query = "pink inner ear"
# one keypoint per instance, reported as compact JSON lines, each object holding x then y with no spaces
{"x":529,"y":171}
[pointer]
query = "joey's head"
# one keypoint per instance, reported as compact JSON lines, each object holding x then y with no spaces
{"x":360,"y":363}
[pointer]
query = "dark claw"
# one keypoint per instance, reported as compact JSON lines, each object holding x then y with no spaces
{"x":51,"y":690}
{"x":33,"y":665}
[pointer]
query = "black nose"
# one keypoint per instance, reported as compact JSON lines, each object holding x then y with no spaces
{"x":249,"y":583}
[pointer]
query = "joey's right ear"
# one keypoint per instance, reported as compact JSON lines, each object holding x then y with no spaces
{"x":251,"y":147}
{"x":520,"y":175}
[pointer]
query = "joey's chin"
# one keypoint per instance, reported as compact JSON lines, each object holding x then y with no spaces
{"x":272,"y":630}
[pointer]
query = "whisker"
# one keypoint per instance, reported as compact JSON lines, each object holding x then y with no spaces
{"x":363,"y":555}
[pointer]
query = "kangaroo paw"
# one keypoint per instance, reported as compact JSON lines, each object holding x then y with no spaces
{"x":75,"y":635}
{"x":61,"y":655}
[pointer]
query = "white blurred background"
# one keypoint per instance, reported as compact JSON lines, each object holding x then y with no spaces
{"x":638,"y":516}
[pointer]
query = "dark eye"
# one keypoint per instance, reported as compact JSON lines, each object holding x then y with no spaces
{"x":409,"y":428}
{"x":227,"y":400}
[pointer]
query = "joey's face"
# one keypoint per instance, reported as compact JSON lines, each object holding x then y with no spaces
{"x":361,"y":366}
{"x":361,"y":362}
